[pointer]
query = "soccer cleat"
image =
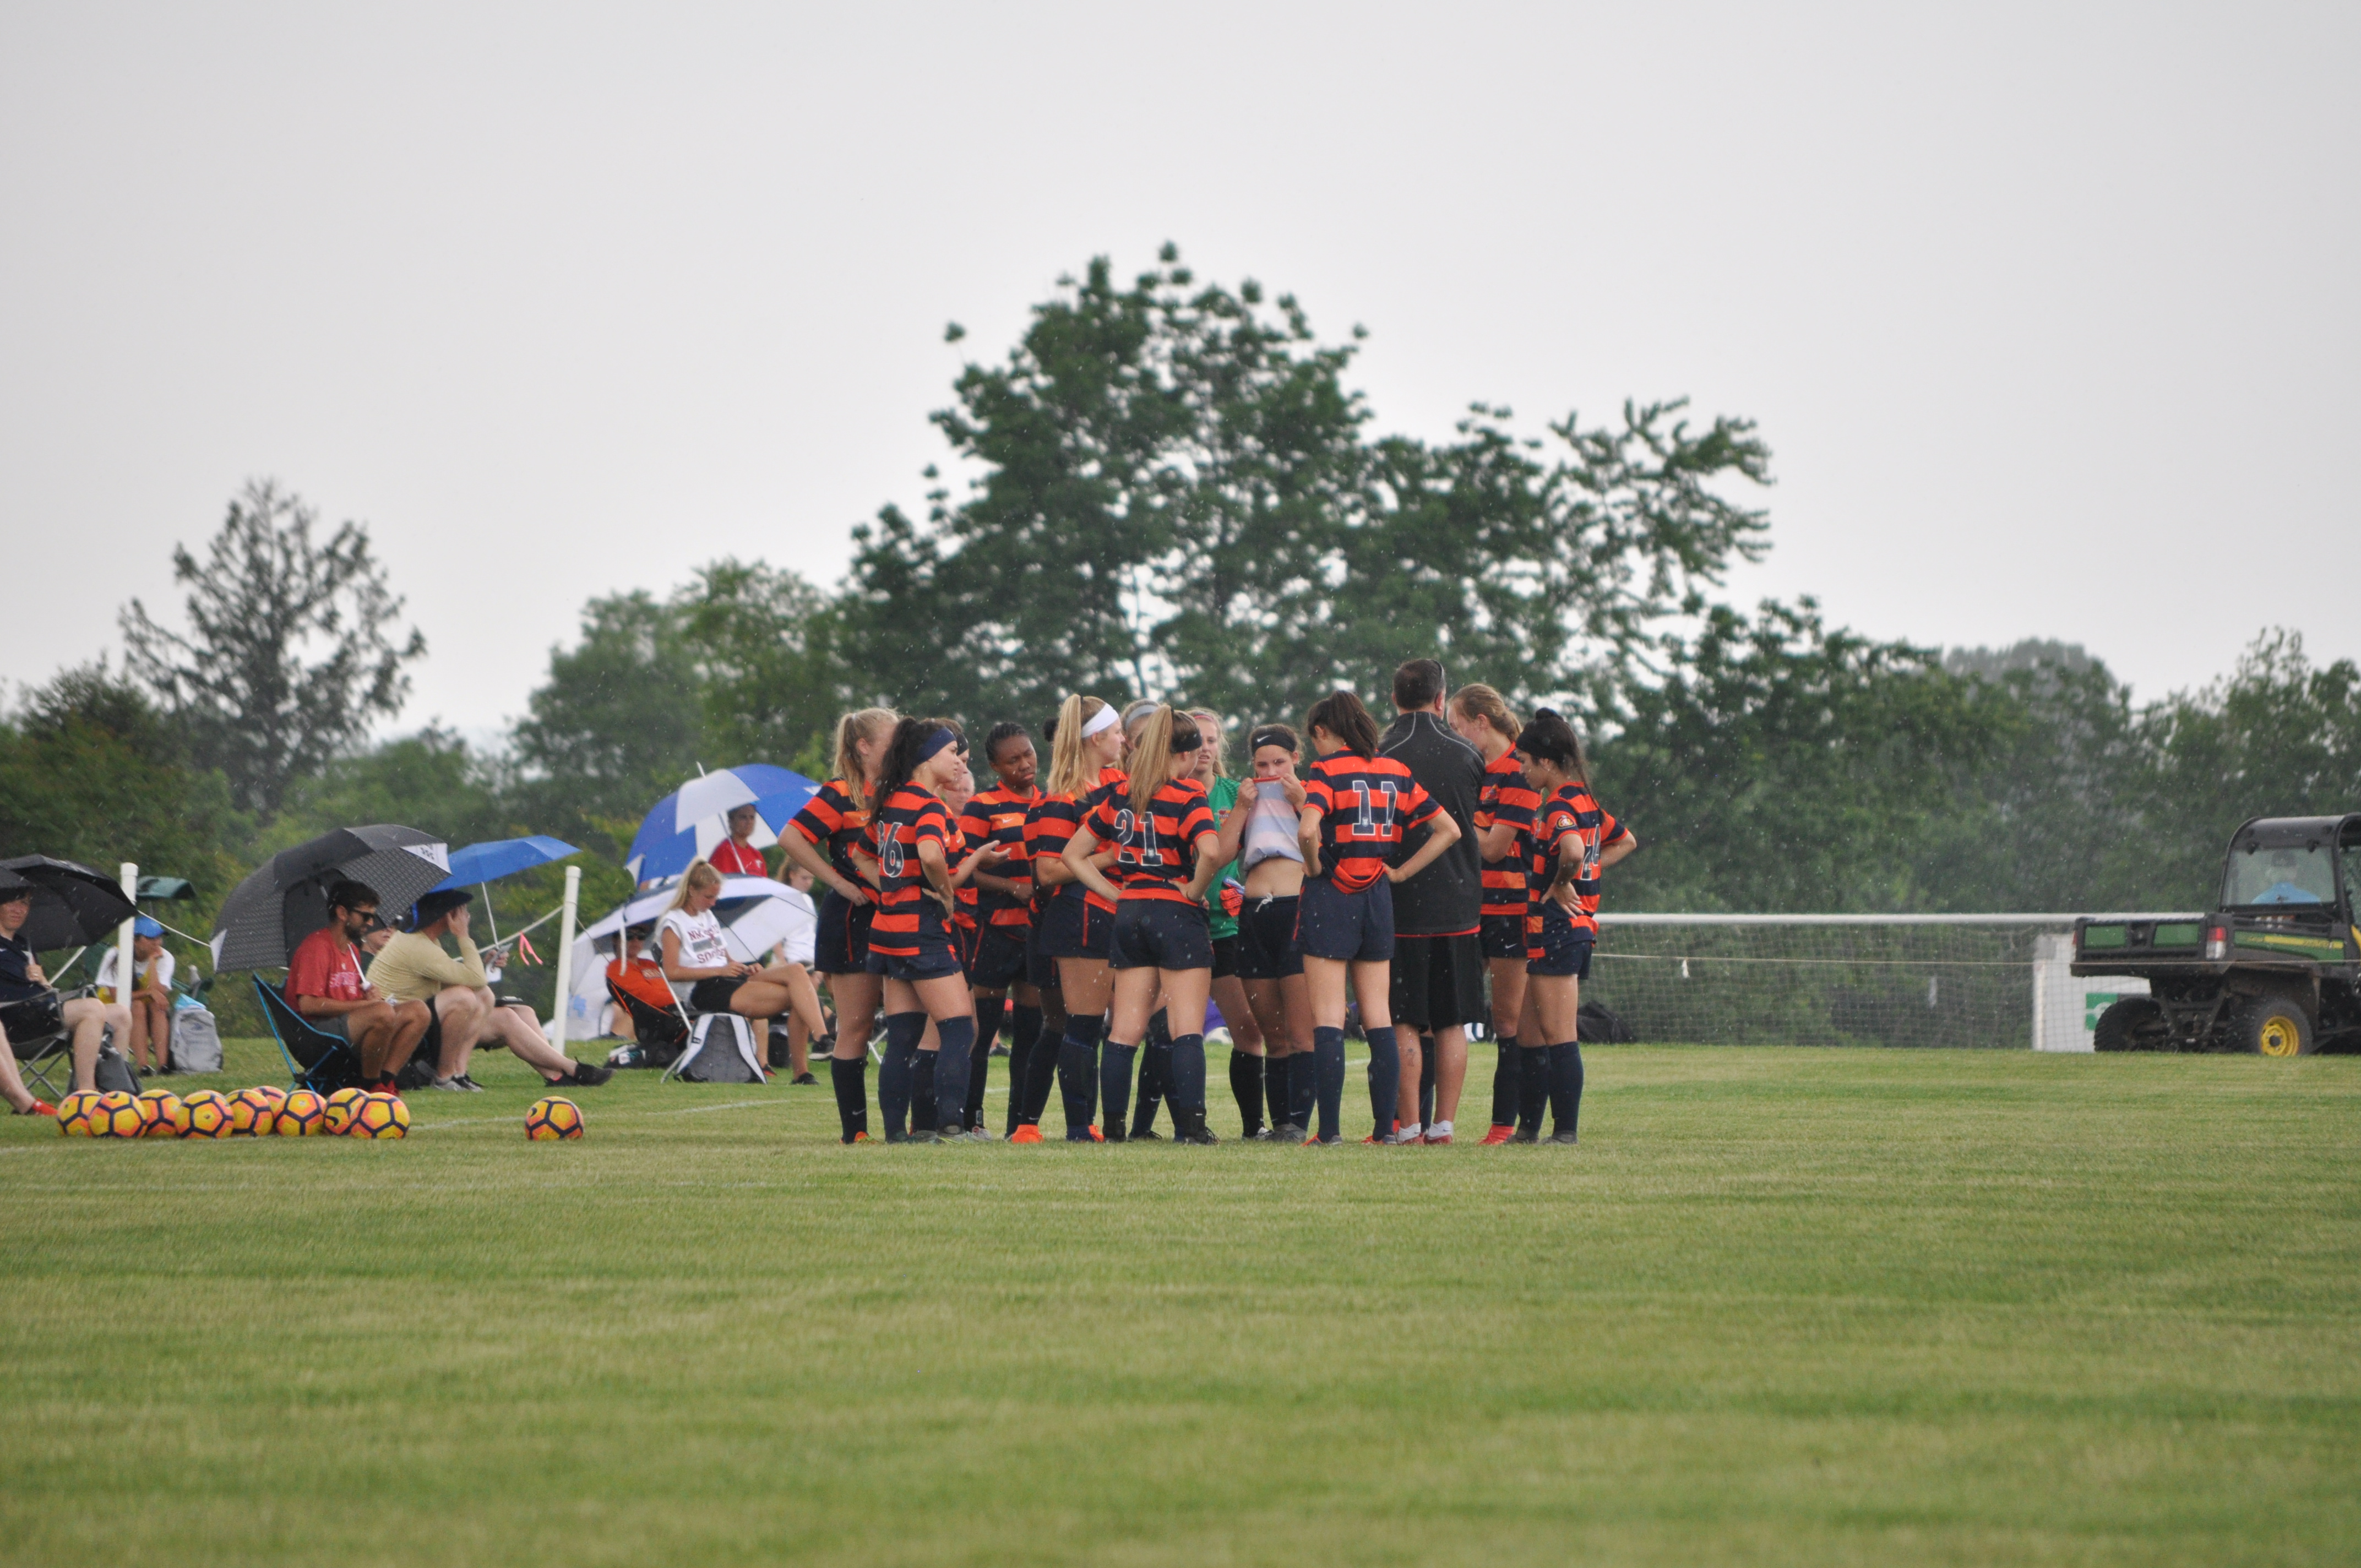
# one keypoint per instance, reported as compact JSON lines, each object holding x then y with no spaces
{"x":1434,"y":1138}
{"x":1262,"y":1135}
{"x":1494,"y":1136}
{"x":1148,"y":1135}
{"x":1112,"y":1134}
{"x":1317,"y":1142}
{"x":1288,"y":1133}
{"x":1194,"y":1131}
{"x":591,"y":1074}
{"x":1564,"y":1135}
{"x":860,"y":1137}
{"x":1026,"y":1133}
{"x":452,"y":1085}
{"x":39,"y":1108}
{"x":803,"y":1078}
{"x":1521,"y":1136}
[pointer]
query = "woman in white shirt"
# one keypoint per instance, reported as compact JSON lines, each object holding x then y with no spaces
{"x":149,"y":994}
{"x":1259,"y":832}
{"x":695,"y":957}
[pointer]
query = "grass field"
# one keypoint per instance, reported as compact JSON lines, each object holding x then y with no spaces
{"x":1780,"y":1305}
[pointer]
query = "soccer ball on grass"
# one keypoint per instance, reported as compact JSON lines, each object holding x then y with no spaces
{"x":117,"y":1115}
{"x":339,"y":1111}
{"x":552,"y":1118}
{"x":380,"y":1116}
{"x":76,"y":1114}
{"x":301,"y":1115}
{"x":208,"y":1114}
{"x":161,"y":1114}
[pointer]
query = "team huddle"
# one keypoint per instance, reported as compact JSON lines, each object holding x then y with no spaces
{"x":1100,"y":909}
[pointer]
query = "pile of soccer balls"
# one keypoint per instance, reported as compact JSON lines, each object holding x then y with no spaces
{"x":260,"y":1111}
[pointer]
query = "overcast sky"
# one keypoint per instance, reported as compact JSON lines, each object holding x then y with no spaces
{"x":2049,"y":313}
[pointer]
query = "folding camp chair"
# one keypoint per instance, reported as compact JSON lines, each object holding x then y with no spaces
{"x":661,"y":1032}
{"x":41,"y":1043}
{"x":316,"y":1060}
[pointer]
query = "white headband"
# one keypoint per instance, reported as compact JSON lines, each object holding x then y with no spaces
{"x":1105,"y":718}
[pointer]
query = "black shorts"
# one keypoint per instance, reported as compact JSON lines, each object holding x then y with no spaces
{"x":713,"y":994}
{"x":935,"y":959}
{"x":1504,"y":936}
{"x":1267,"y":949}
{"x":1225,"y":956}
{"x":1356,"y":927}
{"x":1161,"y":933}
{"x":999,"y":959}
{"x":1560,"y":949}
{"x":1438,"y":981}
{"x":1039,"y":967}
{"x":1060,"y":927}
{"x":1098,"y":933}
{"x":841,"y":944}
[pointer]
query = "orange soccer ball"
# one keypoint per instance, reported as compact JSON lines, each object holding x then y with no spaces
{"x":115,"y":1116}
{"x":252,"y":1112}
{"x":339,"y":1111}
{"x":380,"y":1116}
{"x":303,"y":1114}
{"x":551,"y":1118}
{"x":77,"y":1115}
{"x":161,"y":1114}
{"x":271,"y":1092}
{"x":208,"y":1114}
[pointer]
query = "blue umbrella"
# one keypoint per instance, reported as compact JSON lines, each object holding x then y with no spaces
{"x":665,"y":844}
{"x":497,"y":858}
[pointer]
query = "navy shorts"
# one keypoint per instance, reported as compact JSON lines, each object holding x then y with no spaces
{"x":1357,"y":927}
{"x":998,"y":960}
{"x":935,"y":959}
{"x":1504,"y":936}
{"x":1225,"y":956}
{"x":1161,"y":933}
{"x":1098,"y":933}
{"x":1039,"y":967}
{"x":841,"y":944}
{"x":1267,"y":949}
{"x":1560,"y":949}
{"x":1060,"y":927}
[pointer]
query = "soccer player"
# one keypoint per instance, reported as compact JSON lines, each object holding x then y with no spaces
{"x":1162,"y":831}
{"x":1573,"y":840}
{"x":997,"y":972}
{"x":838,"y":817}
{"x":1258,"y":833}
{"x":1358,"y":806}
{"x":1504,"y":820}
{"x":910,"y":937}
{"x":1224,"y":900}
{"x":1074,"y":939}
{"x":1438,"y":974}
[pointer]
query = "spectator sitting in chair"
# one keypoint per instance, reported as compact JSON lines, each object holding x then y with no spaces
{"x":324,"y":984}
{"x":696,"y":960}
{"x":12,"y":1086}
{"x":31,"y":1005}
{"x":151,"y":995}
{"x":412,"y":965}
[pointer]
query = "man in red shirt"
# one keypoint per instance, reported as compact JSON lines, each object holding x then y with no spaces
{"x":324,"y":984}
{"x":737,"y":856}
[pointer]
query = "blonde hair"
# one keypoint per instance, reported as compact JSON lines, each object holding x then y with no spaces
{"x":1154,"y":761}
{"x":699,"y":876}
{"x":1069,"y":767}
{"x":852,"y":729}
{"x":1209,"y":731}
{"x":1480,"y":701}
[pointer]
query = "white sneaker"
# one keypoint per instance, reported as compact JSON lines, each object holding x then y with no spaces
{"x":1438,"y":1132}
{"x":1409,"y":1134}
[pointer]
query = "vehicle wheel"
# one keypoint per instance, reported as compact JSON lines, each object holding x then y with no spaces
{"x":2272,"y":1026}
{"x":2135,"y":1024}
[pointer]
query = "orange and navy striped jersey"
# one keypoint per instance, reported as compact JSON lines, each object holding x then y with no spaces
{"x":964,"y":897}
{"x":1571,"y":810}
{"x":996,"y":817}
{"x":1050,"y":823}
{"x":1154,"y":850}
{"x":836,"y":818}
{"x":1366,"y":804}
{"x":906,"y":908}
{"x":1506,"y":798}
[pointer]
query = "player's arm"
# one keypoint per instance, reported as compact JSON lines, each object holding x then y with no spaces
{"x":936,"y":867}
{"x":1441,"y":832}
{"x":1622,"y":846}
{"x":1569,"y":868}
{"x":1208,"y":861}
{"x":1307,"y":834}
{"x":805,"y":853}
{"x":1082,"y":865}
{"x":1234,"y":825}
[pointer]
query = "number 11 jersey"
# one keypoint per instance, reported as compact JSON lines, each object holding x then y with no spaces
{"x":1366,"y":804}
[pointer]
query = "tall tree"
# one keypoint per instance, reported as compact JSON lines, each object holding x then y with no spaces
{"x":291,"y":650}
{"x":763,"y":641}
{"x":618,"y":722}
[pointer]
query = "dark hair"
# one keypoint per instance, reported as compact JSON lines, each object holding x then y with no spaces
{"x":349,"y":895}
{"x":433,"y":907}
{"x":1553,"y":739}
{"x":1417,"y":684}
{"x":902,"y":754}
{"x":1001,"y":733}
{"x":1277,"y":735}
{"x":1341,"y":714}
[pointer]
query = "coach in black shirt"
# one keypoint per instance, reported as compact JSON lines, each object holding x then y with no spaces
{"x":1438,"y":970}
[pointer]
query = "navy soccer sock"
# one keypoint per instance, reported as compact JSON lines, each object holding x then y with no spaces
{"x":1505,"y":1078}
{"x":922,"y":1092}
{"x":1246,"y":1088}
{"x":1154,"y":1081}
{"x":851,"y":1081}
{"x":894,"y":1074}
{"x":1115,"y":1084}
{"x":1426,"y":1080}
{"x":1041,"y":1070}
{"x":1532,"y":1087}
{"x":1385,"y":1079}
{"x":1078,"y":1061}
{"x":951,"y":1072}
{"x":1186,"y":1064}
{"x":1565,"y":1087}
{"x":1328,"y":1059}
{"x":1024,"y":1027}
{"x":1303,"y":1085}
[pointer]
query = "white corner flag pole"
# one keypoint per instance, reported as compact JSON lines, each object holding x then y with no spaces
{"x":126,"y":977}
{"x":565,"y":958}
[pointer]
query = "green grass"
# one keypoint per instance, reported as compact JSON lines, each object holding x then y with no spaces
{"x":1781,"y":1306}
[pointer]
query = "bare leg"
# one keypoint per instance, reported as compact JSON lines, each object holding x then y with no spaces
{"x":12,"y":1084}
{"x":521,"y":1031}
{"x":410,"y":1025}
{"x":89,"y":1018}
{"x":856,"y":1012}
{"x":1246,"y":1028}
{"x":1449,"y":1072}
{"x":462,"y":1013}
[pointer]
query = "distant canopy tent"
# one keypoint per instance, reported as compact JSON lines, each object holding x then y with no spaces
{"x":693,"y":821}
{"x":756,"y":913}
{"x":286,"y":899}
{"x":72,"y":904}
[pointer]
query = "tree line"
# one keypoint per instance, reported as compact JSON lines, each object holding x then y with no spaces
{"x":1169,"y":489}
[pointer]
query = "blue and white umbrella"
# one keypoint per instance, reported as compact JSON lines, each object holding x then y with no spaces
{"x":694,"y":820}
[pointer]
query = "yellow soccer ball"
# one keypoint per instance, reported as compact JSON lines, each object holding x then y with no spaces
{"x":252,"y":1113}
{"x":161,"y":1114}
{"x":77,"y":1112}
{"x":303,"y":1115}
{"x":381,"y":1116}
{"x":208,"y":1114}
{"x":553,"y":1117}
{"x":339,"y":1111}
{"x":115,"y":1116}
{"x":273,"y":1093}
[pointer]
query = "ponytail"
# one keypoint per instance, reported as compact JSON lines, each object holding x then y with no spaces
{"x":699,"y":876}
{"x":1069,"y":769}
{"x":1165,"y":736}
{"x":851,"y":730}
{"x":1341,"y":714}
{"x":1479,"y":701}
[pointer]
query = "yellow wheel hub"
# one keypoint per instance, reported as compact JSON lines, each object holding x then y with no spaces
{"x":2279,"y":1036}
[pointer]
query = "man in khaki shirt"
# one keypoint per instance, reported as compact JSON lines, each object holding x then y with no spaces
{"x":415,"y":967}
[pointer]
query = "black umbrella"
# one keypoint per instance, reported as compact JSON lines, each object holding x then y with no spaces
{"x":72,"y":904}
{"x":287,"y":900}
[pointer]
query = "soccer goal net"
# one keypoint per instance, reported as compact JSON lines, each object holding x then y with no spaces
{"x":1989,"y":981}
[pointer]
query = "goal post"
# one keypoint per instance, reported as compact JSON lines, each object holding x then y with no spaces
{"x":1960,"y":981}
